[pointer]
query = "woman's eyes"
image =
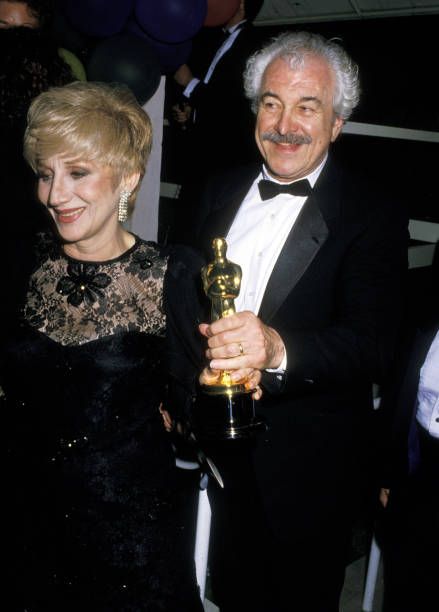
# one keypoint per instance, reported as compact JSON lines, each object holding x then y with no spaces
{"x":78,"y":174}
{"x":44,"y":178}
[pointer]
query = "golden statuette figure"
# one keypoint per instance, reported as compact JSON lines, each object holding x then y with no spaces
{"x":222,"y":281}
{"x":225,"y":409}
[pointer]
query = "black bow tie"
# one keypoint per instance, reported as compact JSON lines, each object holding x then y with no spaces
{"x":270,"y":189}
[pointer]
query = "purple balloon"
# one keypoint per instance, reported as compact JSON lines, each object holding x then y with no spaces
{"x":171,"y":21}
{"x":97,"y":17}
{"x":170,"y":55}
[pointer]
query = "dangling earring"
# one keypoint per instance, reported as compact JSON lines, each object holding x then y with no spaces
{"x":122,"y":210}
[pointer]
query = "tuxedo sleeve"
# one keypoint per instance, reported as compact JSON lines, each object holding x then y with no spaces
{"x":184,"y":308}
{"x":197,"y":93}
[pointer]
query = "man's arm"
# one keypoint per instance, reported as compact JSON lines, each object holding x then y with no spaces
{"x":358,"y":342}
{"x":193,"y":87}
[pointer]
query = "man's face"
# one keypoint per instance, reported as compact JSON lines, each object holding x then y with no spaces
{"x":15,"y":14}
{"x":296,"y":122}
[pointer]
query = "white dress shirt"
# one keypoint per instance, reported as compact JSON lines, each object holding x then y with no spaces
{"x":427,"y":413}
{"x":257,"y":236}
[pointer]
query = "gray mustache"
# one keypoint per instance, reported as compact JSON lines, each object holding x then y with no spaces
{"x":286,"y":138}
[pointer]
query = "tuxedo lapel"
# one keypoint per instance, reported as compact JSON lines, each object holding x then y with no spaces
{"x":303,"y":243}
{"x":221,"y":217}
{"x":219,"y":221}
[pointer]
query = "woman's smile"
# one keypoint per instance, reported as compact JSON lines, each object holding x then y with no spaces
{"x":69,"y":215}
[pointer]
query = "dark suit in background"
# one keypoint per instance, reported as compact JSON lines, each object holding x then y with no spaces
{"x":223,"y":124}
{"x":409,"y":523}
{"x":219,"y":134}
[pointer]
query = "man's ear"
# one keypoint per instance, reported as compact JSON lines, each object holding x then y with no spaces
{"x":336,"y":128}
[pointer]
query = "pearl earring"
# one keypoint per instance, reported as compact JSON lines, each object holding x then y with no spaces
{"x":122,"y":210}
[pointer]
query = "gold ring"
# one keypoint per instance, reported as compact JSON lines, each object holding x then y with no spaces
{"x":241,"y":349}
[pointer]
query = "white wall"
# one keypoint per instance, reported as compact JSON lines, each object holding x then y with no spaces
{"x":144,"y":220}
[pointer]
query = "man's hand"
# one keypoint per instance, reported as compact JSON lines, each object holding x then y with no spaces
{"x":384,"y":496}
{"x":252,"y":379}
{"x":167,"y":419}
{"x":242,"y":341}
{"x":183,"y":75}
{"x":181,"y":114}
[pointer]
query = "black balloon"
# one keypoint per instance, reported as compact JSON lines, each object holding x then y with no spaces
{"x":127,"y":59}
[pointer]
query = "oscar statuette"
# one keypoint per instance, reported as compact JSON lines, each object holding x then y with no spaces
{"x":225,"y":409}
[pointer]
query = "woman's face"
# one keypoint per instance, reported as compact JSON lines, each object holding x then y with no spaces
{"x":82,"y":197}
{"x":15,"y":14}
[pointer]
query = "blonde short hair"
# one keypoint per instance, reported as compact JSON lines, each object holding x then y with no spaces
{"x":98,"y":122}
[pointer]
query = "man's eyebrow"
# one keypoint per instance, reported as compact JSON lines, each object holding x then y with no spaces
{"x":269,"y":94}
{"x":310,"y":99}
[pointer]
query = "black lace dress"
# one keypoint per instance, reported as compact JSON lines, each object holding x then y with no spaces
{"x":98,"y":513}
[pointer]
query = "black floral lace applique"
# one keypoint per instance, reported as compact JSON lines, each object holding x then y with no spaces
{"x":83,"y":283}
{"x":47,"y":248}
{"x":142,"y":260}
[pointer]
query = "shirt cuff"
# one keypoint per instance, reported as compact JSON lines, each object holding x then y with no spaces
{"x":190,"y":87}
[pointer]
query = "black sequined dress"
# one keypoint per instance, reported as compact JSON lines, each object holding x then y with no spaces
{"x":98,"y":514}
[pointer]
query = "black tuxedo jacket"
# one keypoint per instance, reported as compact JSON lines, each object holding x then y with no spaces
{"x":335,"y":297}
{"x":185,"y":307}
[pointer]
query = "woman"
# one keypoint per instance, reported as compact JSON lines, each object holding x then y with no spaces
{"x":98,"y":521}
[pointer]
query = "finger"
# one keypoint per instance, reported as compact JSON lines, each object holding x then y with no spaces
{"x":222,"y":348}
{"x":231,"y":363}
{"x":232,"y":322}
{"x":253,"y":357}
{"x":249,"y":335}
{"x":247,"y":375}
{"x":253,"y":380}
{"x":167,"y":420}
{"x":204,"y":329}
{"x":208,"y":376}
{"x":234,"y":349}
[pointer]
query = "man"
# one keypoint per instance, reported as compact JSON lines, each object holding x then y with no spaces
{"x":23,"y":13}
{"x":318,"y":312}
{"x":214,"y":108}
{"x":216,"y":88}
{"x":411,"y":517}
{"x":410,"y":520}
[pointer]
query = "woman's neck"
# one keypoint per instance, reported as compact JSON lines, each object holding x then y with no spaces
{"x":102,"y":249}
